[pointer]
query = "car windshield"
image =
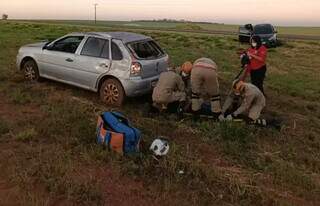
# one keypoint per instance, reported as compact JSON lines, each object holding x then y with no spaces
{"x":263,"y":29}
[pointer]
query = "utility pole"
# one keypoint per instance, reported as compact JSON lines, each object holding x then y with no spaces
{"x":95,"y":13}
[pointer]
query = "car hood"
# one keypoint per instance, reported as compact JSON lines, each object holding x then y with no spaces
{"x":39,"y":44}
{"x":265,"y":36}
{"x":33,"y":48}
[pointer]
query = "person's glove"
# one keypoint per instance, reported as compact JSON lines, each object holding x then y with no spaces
{"x":229,"y":118}
{"x":221,"y":118}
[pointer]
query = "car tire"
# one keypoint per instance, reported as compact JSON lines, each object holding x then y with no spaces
{"x":112,"y":93}
{"x":31,"y":71}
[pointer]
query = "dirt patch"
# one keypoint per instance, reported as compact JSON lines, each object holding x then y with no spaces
{"x":12,"y":113}
{"x":9,"y":194}
{"x":123,"y":191}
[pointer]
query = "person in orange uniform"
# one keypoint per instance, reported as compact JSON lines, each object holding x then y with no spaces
{"x":257,"y":67}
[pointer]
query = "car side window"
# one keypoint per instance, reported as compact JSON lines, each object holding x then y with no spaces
{"x":96,"y":47}
{"x":105,"y":50}
{"x":116,"y":52}
{"x":69,"y":44}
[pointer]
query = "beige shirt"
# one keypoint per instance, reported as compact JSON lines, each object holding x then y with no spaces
{"x":251,"y":96}
{"x":170,"y":83}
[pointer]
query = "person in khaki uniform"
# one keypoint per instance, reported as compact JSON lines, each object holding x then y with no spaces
{"x":169,"y":89}
{"x":205,"y":85}
{"x":185,"y":72}
{"x":251,"y":98}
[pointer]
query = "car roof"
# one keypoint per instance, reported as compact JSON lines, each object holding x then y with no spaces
{"x":126,"y":37}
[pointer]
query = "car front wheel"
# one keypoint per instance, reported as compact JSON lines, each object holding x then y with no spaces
{"x":112,"y":92}
{"x":31,"y":72}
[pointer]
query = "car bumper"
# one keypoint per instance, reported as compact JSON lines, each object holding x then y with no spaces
{"x":270,"y":43}
{"x":137,"y":86}
{"x":18,"y":61}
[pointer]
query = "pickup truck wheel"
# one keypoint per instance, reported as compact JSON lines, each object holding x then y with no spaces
{"x":31,"y":72}
{"x":112,"y":92}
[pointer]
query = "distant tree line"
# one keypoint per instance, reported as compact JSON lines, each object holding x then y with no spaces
{"x":163,"y":20}
{"x":173,"y":21}
{"x":5,"y":16}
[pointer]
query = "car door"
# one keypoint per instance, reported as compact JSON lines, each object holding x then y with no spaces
{"x":94,"y":59}
{"x":58,"y":60}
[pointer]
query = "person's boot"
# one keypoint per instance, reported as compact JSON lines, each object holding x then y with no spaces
{"x":196,"y":116}
{"x":260,"y":122}
{"x":180,"y":110}
{"x":216,"y":115}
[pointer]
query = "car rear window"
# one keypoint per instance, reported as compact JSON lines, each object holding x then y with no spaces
{"x":146,"y":49}
{"x":244,"y":30}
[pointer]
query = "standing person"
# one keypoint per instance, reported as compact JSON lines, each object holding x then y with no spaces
{"x":170,"y":89}
{"x":252,"y":102}
{"x":204,"y":83}
{"x":257,"y":66}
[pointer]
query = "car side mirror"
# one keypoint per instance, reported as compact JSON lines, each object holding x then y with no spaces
{"x":46,"y":46}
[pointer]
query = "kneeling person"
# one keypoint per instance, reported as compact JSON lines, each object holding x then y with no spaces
{"x":170,"y":89}
{"x":251,"y":98}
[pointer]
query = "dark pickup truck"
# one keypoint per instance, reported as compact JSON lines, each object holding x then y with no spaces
{"x":267,"y":32}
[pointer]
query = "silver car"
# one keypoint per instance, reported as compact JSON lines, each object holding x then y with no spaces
{"x":115,"y":64}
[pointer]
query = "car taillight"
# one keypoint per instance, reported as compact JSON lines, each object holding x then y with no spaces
{"x":135,"y":69}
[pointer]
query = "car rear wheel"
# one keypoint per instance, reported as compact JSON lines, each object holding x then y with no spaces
{"x":31,"y":72}
{"x":112,"y":92}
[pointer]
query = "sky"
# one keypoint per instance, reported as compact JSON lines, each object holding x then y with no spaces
{"x":278,"y":12}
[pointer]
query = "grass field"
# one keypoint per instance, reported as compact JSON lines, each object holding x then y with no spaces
{"x":48,"y":154}
{"x":305,"y":31}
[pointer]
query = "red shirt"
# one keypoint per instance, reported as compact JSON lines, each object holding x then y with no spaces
{"x":256,"y":64}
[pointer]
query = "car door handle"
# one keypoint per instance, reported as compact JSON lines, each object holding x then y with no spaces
{"x":69,"y":60}
{"x":104,"y":65}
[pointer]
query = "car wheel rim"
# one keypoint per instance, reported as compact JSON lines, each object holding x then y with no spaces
{"x":30,"y":73}
{"x":111,"y":94}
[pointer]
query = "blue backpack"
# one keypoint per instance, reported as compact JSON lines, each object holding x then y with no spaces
{"x":115,"y":131}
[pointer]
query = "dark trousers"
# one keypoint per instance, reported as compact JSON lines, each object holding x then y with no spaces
{"x":258,"y":76}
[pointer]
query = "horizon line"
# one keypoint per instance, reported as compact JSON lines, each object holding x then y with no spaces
{"x":150,"y":20}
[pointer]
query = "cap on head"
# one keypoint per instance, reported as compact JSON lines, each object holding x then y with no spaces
{"x":187,"y":67}
{"x":238,"y":86}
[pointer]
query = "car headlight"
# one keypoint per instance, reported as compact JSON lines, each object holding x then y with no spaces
{"x":273,"y":38}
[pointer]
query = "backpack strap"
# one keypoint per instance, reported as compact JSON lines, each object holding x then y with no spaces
{"x":121,"y":117}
